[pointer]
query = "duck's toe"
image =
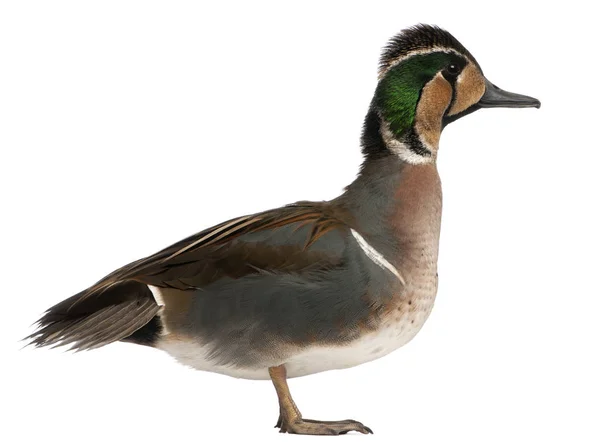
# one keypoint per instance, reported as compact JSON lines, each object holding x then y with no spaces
{"x":314,"y":427}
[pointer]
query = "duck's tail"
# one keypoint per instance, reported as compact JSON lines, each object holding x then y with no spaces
{"x":97,"y":317}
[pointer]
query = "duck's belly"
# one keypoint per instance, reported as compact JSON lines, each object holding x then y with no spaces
{"x":402,"y":322}
{"x":369,"y":347}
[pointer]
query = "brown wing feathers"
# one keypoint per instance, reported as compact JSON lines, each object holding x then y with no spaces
{"x":310,"y":213}
{"x":121,"y":303}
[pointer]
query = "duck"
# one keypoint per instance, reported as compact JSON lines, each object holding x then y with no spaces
{"x":311,"y":286}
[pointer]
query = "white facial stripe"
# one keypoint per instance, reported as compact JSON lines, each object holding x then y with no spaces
{"x":402,"y":150}
{"x":376,"y":256}
{"x":414,"y":53}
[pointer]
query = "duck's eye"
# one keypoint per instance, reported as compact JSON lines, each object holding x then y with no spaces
{"x":453,"y":69}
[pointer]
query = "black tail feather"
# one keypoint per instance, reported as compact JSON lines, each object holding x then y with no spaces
{"x":92,"y":320}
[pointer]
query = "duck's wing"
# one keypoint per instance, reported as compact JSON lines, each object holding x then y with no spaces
{"x":302,"y":247}
{"x":293,"y":238}
{"x":297,"y":273}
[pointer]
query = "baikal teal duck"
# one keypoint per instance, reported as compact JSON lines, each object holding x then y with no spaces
{"x":311,"y":286}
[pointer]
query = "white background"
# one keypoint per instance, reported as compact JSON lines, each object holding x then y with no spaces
{"x":126,"y":126}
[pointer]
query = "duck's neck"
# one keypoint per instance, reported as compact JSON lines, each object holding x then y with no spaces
{"x":396,"y":205}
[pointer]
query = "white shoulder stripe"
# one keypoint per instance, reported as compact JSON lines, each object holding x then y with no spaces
{"x":376,"y":256}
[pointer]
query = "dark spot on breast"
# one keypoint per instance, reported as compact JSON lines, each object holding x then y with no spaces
{"x":376,"y":350}
{"x":412,"y":322}
{"x":409,"y":302}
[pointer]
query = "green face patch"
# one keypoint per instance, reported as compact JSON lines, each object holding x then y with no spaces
{"x":398,"y":93}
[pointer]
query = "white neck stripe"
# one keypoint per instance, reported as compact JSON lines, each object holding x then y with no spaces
{"x":376,"y":256}
{"x":400,"y":149}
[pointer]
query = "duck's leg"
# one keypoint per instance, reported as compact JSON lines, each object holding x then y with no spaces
{"x":290,"y":418}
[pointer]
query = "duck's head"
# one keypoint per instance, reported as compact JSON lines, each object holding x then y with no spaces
{"x":427,"y":79}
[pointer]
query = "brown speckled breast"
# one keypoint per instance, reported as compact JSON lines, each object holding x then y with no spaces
{"x":416,"y":223}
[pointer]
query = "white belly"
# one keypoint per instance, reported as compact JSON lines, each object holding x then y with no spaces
{"x":368,"y":348}
{"x":395,"y":331}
